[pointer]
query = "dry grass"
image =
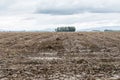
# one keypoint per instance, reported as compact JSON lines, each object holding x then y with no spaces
{"x":60,"y":56}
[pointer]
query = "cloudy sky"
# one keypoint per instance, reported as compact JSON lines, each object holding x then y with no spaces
{"x":42,"y":14}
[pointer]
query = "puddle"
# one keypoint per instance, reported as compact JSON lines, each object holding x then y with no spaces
{"x":115,"y":77}
{"x":48,"y":53}
{"x":45,"y":58}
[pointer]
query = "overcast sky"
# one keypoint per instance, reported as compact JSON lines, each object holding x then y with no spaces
{"x":41,"y":14}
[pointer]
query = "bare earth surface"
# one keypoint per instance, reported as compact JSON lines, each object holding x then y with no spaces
{"x":60,"y":56}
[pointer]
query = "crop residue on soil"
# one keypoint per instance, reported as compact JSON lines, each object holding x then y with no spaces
{"x":60,"y":56}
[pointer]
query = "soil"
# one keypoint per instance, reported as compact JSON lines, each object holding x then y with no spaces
{"x":60,"y":56}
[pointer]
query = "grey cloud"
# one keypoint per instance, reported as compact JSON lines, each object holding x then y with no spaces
{"x":31,"y":14}
{"x":4,"y":5}
{"x":17,"y":6}
{"x":57,"y":12}
{"x":76,"y":11}
{"x":59,"y":7}
{"x":69,"y":7}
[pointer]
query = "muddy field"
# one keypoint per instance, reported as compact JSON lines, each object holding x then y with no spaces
{"x":60,"y":56}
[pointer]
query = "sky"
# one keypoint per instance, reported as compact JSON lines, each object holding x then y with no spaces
{"x":45,"y":14}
